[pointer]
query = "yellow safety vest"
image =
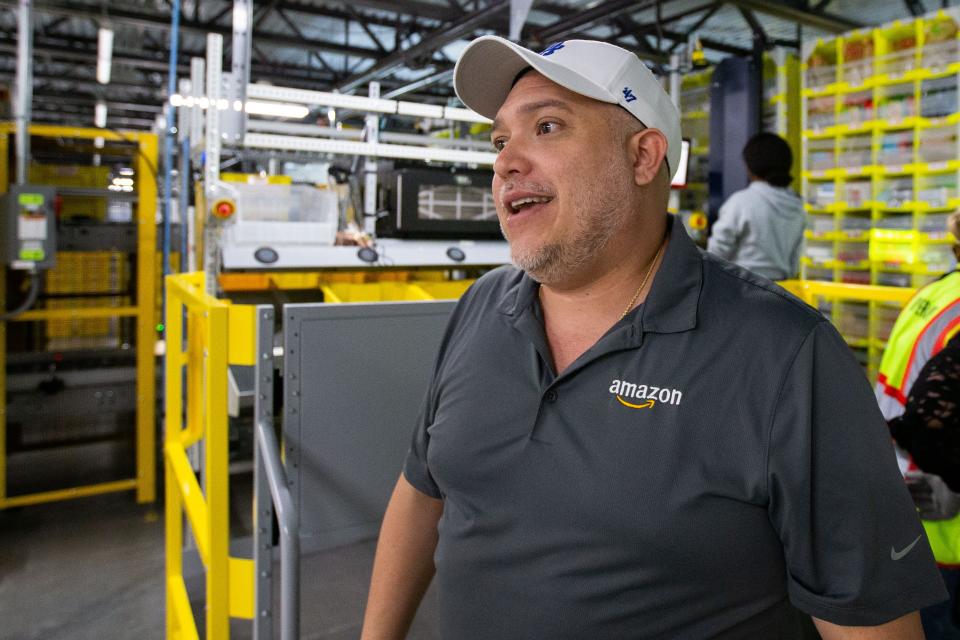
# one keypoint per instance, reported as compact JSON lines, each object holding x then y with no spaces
{"x":925,"y":325}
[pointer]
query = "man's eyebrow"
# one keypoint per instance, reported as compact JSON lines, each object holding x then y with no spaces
{"x":535,"y":106}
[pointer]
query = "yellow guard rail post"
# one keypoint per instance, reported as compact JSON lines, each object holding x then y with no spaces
{"x":218,"y":334}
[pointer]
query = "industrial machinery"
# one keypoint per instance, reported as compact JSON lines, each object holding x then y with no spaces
{"x":261,"y":221}
{"x":77,"y":364}
{"x":439,"y":203}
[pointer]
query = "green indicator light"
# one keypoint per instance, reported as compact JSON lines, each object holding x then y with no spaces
{"x":35,"y":255}
{"x":30,"y":199}
{"x":160,"y":328}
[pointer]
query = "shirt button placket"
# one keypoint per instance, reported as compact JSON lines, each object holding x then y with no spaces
{"x":551,"y":395}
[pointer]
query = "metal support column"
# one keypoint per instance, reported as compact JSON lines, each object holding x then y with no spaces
{"x":211,"y":169}
{"x":262,"y":505}
{"x":675,"y":80}
{"x":234,"y":116}
{"x":272,"y":491}
{"x":24,"y":95}
{"x":146,"y":317}
{"x":372,"y":130}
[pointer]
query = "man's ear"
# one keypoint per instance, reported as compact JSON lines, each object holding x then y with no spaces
{"x":648,"y":148}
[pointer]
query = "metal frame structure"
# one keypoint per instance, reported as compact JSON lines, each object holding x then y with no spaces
{"x":344,"y":47}
{"x":272,"y":495}
{"x":144,"y":311}
{"x":216,"y":334}
{"x":390,"y":253}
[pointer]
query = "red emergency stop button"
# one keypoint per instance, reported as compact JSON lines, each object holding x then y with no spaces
{"x":224,"y":208}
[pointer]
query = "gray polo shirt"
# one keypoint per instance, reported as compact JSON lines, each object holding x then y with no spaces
{"x":716,"y":456}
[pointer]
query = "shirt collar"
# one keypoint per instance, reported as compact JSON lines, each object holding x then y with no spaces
{"x":670,"y":307}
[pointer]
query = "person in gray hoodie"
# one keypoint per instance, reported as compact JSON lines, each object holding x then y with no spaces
{"x":761,"y":227}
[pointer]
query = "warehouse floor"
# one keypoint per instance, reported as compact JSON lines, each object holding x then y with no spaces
{"x":92,"y":569}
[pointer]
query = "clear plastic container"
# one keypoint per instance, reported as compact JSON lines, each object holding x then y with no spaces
{"x":940,"y":47}
{"x":856,"y":193}
{"x":820,"y":112}
{"x":901,"y":46}
{"x":896,"y":148}
{"x":816,"y":273}
{"x":938,"y":144}
{"x":821,"y":194}
{"x":938,"y":97}
{"x":937,"y":190}
{"x":821,"y":224}
{"x":852,"y":319}
{"x":894,"y":221}
{"x":885,"y":316}
{"x":897,"y":102}
{"x":934,"y":224}
{"x":893,"y":279}
{"x":818,"y":251}
{"x":853,"y":252}
{"x":282,"y":213}
{"x":936,"y":257}
{"x":855,"y":151}
{"x":855,"y":276}
{"x":857,"y":59}
{"x":856,"y":108}
{"x":820,"y":154}
{"x":896,"y":192}
{"x":855,"y":224}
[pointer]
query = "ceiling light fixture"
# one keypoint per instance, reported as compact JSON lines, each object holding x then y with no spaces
{"x":276,"y":109}
{"x":104,"y":54}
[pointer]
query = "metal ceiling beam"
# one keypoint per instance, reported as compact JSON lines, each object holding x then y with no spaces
{"x":586,"y":18}
{"x":702,"y":20}
{"x":162,"y":23}
{"x":358,"y":18}
{"x":759,"y":33}
{"x":403,"y":20}
{"x":84,"y":100}
{"x":442,"y":76}
{"x":818,"y":19}
{"x":76,"y":119}
{"x":60,"y":50}
{"x":433,"y":41}
{"x":412,"y":7}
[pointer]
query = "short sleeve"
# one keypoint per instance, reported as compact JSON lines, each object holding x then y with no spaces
{"x":415,"y":468}
{"x":855,"y":550}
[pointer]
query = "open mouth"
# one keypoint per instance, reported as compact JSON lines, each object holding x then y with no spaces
{"x":528,"y":202}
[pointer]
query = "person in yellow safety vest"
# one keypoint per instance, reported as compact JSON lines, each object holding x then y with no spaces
{"x":927,"y":323}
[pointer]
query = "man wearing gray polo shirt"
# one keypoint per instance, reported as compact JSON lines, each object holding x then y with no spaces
{"x":626,"y":437}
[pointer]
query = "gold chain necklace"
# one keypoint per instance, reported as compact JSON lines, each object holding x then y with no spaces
{"x":642,"y":284}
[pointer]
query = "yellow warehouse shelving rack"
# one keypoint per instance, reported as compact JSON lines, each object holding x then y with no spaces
{"x":102,"y":311}
{"x":881,"y":163}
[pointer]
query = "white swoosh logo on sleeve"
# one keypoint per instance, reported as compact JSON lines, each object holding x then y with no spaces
{"x":896,"y":555}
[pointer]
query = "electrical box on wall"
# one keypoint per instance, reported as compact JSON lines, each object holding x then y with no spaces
{"x":30,"y":227}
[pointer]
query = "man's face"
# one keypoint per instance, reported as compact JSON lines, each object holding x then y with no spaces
{"x":562,"y":180}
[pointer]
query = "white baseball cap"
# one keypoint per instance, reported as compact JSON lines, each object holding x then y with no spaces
{"x":488,"y":66}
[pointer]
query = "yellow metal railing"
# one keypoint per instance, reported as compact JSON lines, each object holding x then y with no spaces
{"x":217,"y":334}
{"x":810,"y":290}
{"x":144,"y":148}
{"x":877,"y":299}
